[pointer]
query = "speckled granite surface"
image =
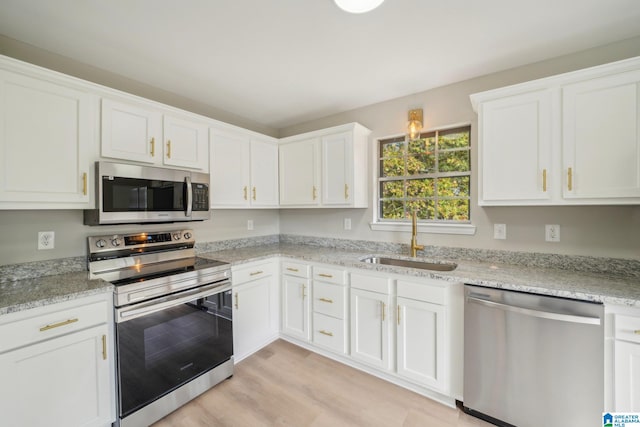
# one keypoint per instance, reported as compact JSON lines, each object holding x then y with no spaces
{"x":597,"y":287}
{"x":18,"y":295}
{"x":613,"y":281}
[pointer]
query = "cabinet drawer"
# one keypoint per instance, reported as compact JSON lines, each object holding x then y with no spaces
{"x":422,"y":292}
{"x":330,"y":275}
{"x":329,"y":299}
{"x":252,"y":272}
{"x":329,"y":332}
{"x":297,"y":269}
{"x":41,"y":327}
{"x":381,"y":285}
{"x":627,"y":328}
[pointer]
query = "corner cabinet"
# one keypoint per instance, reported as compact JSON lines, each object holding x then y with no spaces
{"x":326,"y":168}
{"x":244,"y":170}
{"x":47,"y":139}
{"x":571,"y":139}
{"x":140,"y":132}
{"x":57,"y":365}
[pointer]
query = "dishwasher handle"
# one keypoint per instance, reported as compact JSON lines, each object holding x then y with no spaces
{"x":588,"y":320}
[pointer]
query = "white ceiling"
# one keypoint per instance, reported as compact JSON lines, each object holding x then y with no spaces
{"x":284,"y":62}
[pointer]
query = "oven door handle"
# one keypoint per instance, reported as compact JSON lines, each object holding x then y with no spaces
{"x":142,"y":309}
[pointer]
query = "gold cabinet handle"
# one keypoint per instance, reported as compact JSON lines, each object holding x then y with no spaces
{"x":330,"y":301}
{"x":304,"y":291}
{"x":637,"y":332}
{"x":383,"y":311}
{"x":325,"y":275}
{"x":570,"y":179}
{"x":237,"y":301}
{"x":346,"y":192}
{"x":544,"y":180}
{"x":168,"y":149}
{"x":153,"y":147}
{"x":315,"y":192}
{"x":84,"y":183}
{"x":245,"y":192}
{"x":57,"y":325}
{"x":104,"y":347}
{"x":254,"y":193}
{"x":327,"y":333}
{"x":398,"y":315}
{"x":255,"y":273}
{"x":292,"y":269}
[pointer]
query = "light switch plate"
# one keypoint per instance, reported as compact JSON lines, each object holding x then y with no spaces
{"x":347,"y":223}
{"x":500,"y":231}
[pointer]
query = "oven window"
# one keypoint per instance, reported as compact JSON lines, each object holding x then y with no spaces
{"x":162,"y":351}
{"x":131,"y":194}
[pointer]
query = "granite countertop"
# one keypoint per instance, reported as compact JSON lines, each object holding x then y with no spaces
{"x":586,"y":286}
{"x":29,"y":286}
{"x":18,"y":295}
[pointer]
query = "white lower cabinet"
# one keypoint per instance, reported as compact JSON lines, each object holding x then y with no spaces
{"x":57,"y":365}
{"x":626,"y":359}
{"x":255,"y":307}
{"x":296,"y":313}
{"x":371,"y":321}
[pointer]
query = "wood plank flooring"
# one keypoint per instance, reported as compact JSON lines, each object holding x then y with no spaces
{"x":286,"y":385}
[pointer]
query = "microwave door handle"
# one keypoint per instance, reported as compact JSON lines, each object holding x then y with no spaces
{"x":189,"y":207}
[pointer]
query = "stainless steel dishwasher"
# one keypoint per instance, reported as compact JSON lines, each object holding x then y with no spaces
{"x":533,"y":360}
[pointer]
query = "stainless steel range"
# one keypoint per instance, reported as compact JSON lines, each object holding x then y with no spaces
{"x":174,"y":333}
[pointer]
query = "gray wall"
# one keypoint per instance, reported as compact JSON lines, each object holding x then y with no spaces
{"x":599,"y":231}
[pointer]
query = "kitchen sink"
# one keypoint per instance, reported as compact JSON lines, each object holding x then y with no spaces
{"x":424,"y":265}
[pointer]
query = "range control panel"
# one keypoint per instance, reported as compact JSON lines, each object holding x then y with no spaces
{"x":140,"y":240}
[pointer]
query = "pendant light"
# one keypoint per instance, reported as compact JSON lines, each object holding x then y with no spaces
{"x":358,"y":6}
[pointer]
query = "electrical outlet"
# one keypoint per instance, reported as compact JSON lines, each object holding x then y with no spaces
{"x":46,"y":240}
{"x":552,"y":233}
{"x":500,"y":231}
{"x":249,"y":224}
{"x":347,"y":223}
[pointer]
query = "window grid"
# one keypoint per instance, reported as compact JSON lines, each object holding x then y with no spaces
{"x":440,"y":196}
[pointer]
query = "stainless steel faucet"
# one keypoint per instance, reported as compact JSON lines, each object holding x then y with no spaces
{"x":415,"y":247}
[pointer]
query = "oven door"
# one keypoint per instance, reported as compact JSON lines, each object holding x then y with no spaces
{"x":164,"y":343}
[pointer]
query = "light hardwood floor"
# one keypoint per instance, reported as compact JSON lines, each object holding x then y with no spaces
{"x":286,"y":385}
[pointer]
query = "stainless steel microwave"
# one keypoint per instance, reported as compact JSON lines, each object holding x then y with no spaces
{"x":143,"y":194}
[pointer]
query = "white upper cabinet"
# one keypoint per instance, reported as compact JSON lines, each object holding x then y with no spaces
{"x":47,"y":139}
{"x":567,"y":139}
{"x":326,"y":168}
{"x":300,"y":172}
{"x":244,"y":170}
{"x":515,"y":157}
{"x":601,"y":137}
{"x":130,"y":132}
{"x":140,"y":132}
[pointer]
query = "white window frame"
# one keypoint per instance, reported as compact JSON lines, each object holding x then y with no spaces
{"x":461,"y":228}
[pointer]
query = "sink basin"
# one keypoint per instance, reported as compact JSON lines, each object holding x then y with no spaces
{"x":424,"y":265}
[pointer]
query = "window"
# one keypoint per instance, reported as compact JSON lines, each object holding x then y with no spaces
{"x":431,"y":174}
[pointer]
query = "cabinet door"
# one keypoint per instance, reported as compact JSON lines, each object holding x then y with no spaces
{"x":337,"y":169}
{"x":131,"y":132}
{"x":253,"y":325}
{"x":295,"y":307}
{"x":46,"y":142}
{"x":627,"y":376}
{"x":371,"y":328}
{"x":230,"y":174}
{"x":299,"y":172}
{"x":185,"y":143}
{"x":601,"y":137}
{"x":420,"y":342}
{"x":515,"y":149}
{"x":264,"y":173}
{"x":59,"y":382}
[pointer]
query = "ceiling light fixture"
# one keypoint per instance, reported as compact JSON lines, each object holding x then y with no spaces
{"x":358,"y":6}
{"x":415,"y":123}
